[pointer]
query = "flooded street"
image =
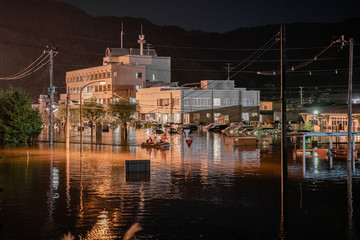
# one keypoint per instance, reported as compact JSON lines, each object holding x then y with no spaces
{"x":210,"y":191}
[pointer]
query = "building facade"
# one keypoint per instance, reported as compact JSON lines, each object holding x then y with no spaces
{"x":123,"y":72}
{"x":212,"y":101}
{"x":332,"y":118}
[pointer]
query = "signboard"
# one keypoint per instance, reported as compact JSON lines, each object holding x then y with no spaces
{"x":188,"y":142}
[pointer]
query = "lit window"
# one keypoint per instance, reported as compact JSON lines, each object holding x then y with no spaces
{"x":137,"y":87}
{"x":115,"y":74}
{"x":139,"y":75}
{"x":154,"y":76}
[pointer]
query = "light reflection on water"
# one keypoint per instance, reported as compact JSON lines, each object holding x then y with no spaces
{"x":192,"y":193}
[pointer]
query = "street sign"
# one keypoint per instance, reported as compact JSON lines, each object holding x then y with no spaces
{"x":188,"y":142}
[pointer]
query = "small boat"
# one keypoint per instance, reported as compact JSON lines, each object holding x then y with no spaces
{"x":159,"y":145}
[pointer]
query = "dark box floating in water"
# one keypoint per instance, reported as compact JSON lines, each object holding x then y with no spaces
{"x":137,"y":170}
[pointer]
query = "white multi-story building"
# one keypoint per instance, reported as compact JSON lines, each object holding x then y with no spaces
{"x":123,"y":72}
{"x":213,"y":100}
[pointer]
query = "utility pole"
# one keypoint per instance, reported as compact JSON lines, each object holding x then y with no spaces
{"x":301,"y":97}
{"x":228,"y":69}
{"x":51,"y":91}
{"x":351,"y":52}
{"x":67,"y":143}
{"x":284,"y":167}
{"x":122,"y":35}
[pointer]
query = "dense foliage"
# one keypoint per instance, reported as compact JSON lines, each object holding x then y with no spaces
{"x":19,"y":123}
{"x":123,"y":111}
{"x":92,"y":111}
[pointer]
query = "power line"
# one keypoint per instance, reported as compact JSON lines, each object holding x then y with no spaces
{"x":33,"y":67}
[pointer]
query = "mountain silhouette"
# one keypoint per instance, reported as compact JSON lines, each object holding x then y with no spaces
{"x":26,"y":27}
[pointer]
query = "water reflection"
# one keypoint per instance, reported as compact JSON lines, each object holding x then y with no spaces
{"x":190,"y":190}
{"x":351,"y":232}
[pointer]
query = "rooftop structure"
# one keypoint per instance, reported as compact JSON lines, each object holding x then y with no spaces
{"x":124,"y":71}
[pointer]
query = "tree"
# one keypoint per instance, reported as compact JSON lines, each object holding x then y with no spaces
{"x":19,"y":123}
{"x":92,"y":111}
{"x":124,"y":111}
{"x":60,"y":116}
{"x":307,"y":126}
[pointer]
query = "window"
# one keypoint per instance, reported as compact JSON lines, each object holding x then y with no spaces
{"x":132,"y":100}
{"x":108,"y":74}
{"x":187,"y":102}
{"x":200,"y":102}
{"x":247,"y":102}
{"x":154,"y":76}
{"x":196,"y":117}
{"x":115,"y":74}
{"x":96,"y":88}
{"x":208,"y":115}
{"x":217,"y":102}
{"x":227,"y":101}
{"x":163,"y":102}
{"x":108,"y":87}
{"x":137,"y":87}
{"x":139,"y":75}
{"x":216,"y":116}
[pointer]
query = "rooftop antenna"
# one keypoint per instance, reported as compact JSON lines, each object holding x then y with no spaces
{"x":122,"y":35}
{"x":141,"y":41}
{"x":148,"y":46}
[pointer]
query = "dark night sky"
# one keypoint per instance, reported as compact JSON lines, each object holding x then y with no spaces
{"x":223,"y":15}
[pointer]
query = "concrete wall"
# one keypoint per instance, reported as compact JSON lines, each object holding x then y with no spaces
{"x":154,"y":101}
{"x":197,"y":105}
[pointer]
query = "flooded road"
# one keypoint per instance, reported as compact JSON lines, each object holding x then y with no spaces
{"x":210,"y":191}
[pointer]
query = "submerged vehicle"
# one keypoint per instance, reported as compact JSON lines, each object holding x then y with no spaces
{"x":239,"y":129}
{"x":217,"y":128}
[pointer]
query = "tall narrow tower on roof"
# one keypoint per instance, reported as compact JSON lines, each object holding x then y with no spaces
{"x":141,"y":41}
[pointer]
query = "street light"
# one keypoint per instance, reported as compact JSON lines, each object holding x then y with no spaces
{"x":101,"y":83}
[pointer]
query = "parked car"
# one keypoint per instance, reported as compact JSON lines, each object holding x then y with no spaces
{"x":190,"y":126}
{"x":106,"y":128}
{"x":172,"y":131}
{"x":217,"y":128}
{"x":240,"y":129}
{"x":227,"y":130}
{"x":261,"y":130}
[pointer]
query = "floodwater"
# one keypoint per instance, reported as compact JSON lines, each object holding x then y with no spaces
{"x":210,"y":191}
